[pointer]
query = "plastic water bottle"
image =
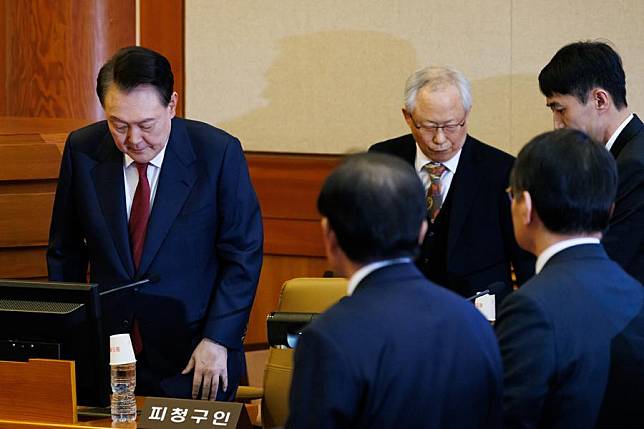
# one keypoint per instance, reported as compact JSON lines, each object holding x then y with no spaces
{"x":123,"y":382}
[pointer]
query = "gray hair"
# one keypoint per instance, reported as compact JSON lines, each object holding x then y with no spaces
{"x":436,"y":78}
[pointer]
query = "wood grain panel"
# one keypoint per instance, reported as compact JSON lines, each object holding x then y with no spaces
{"x":288,"y":184}
{"x":29,"y":161}
{"x":54,"y":50}
{"x":162,"y":29}
{"x":59,"y":127}
{"x":275,"y":271}
{"x":3,"y":59}
{"x":293,"y":237}
{"x":23,"y":262}
{"x":24,"y":219}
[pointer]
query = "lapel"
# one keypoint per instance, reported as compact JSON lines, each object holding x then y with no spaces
{"x":407,"y":149}
{"x":109,"y":185}
{"x":176,"y":180}
{"x":464,"y":186}
{"x":627,"y":134}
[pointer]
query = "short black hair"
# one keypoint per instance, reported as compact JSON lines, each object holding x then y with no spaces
{"x":579,"y":67}
{"x":572,"y":181}
{"x":375,"y":204}
{"x":134,"y":66}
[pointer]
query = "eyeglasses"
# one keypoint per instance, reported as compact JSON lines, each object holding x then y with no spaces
{"x":510,"y":193}
{"x":433,"y":129}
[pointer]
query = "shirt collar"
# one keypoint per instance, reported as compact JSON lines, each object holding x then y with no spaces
{"x":422,"y":160}
{"x":363,"y":272}
{"x":545,"y":256}
{"x":611,"y":140}
{"x":157,"y":161}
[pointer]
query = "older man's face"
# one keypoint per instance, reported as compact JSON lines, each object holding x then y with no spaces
{"x":138,"y":121}
{"x":438,"y":122}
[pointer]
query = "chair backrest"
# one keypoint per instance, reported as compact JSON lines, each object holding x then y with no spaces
{"x":306,"y":295}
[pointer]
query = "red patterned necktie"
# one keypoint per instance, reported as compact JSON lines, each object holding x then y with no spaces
{"x":139,"y":216}
{"x":434,"y":196}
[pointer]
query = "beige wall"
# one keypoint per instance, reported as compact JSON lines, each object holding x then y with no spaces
{"x":327,"y":76}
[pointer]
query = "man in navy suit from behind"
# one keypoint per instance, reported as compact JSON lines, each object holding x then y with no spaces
{"x":197,"y":230}
{"x":571,"y":338}
{"x":399,"y":351}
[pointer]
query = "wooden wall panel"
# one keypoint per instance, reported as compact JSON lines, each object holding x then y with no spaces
{"x":23,"y":221}
{"x":22,"y":262}
{"x":287,"y":186}
{"x":161,"y":29}
{"x":3,"y":59}
{"x":53,"y":50}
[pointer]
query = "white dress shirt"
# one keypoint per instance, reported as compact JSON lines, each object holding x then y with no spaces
{"x":446,"y":178}
{"x":551,"y":251}
{"x":363,"y":272}
{"x":611,"y":140}
{"x":132,"y":178}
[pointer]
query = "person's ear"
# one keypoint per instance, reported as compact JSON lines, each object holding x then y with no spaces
{"x":525,"y":208}
{"x":328,"y":236}
{"x":407,"y":117}
{"x":423,"y":231}
{"x":601,"y":99}
{"x":172,"y":105}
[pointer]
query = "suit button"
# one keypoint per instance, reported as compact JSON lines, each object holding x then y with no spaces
{"x":431,"y":234}
{"x":426,"y":260}
{"x":126,"y":323}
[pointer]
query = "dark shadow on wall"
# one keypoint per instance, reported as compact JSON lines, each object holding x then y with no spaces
{"x":330,"y":92}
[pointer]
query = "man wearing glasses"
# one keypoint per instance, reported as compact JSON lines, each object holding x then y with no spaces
{"x":469,"y":245}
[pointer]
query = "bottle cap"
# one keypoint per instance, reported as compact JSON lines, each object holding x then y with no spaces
{"x":121,"y":351}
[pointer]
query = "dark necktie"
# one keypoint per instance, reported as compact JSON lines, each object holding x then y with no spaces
{"x":140,"y":214}
{"x":434,"y":193}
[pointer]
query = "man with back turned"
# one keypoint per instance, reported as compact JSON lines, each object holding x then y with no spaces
{"x":572,"y":337}
{"x":399,"y":351}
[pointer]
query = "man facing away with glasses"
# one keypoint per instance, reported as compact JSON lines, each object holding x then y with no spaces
{"x":469,"y":244}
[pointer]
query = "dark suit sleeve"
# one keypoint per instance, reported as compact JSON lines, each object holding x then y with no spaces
{"x":528,"y":353}
{"x":239,"y":250}
{"x":323,"y":393}
{"x":67,"y":256}
{"x":625,"y":234}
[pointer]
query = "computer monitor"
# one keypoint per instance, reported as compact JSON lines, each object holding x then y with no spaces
{"x":55,"y":320}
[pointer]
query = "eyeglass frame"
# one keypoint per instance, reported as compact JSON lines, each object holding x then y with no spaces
{"x":434,"y":128}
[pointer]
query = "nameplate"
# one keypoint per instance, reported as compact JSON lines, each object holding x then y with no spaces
{"x":164,"y":413}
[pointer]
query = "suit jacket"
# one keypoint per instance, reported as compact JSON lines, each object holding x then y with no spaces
{"x":624,"y":240}
{"x":204,"y":243}
{"x":557,"y":336}
{"x":472,"y":244}
{"x":401,"y":352}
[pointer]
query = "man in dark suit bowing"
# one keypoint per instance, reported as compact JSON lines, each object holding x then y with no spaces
{"x":145,"y":194}
{"x":469,"y":244}
{"x":399,"y":351}
{"x":585,"y":87}
{"x":572,"y":337}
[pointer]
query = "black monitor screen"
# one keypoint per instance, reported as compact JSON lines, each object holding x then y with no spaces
{"x":54,"y":320}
